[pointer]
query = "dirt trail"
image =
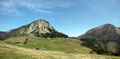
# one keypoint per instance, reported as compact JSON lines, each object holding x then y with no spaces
{"x":40,"y":54}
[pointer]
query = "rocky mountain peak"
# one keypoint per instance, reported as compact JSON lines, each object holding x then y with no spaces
{"x":39,"y":28}
{"x":40,"y":21}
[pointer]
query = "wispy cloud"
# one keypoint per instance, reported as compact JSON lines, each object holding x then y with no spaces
{"x":7,"y":7}
{"x":42,"y":6}
{"x":101,"y":6}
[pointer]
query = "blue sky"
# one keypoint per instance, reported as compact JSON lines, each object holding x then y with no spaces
{"x":72,"y":17}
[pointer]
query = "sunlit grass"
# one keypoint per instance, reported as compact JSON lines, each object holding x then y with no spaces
{"x":11,"y":53}
{"x":54,"y":44}
{"x":56,"y":48}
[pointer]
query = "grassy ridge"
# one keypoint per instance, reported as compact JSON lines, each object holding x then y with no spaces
{"x":54,"y":44}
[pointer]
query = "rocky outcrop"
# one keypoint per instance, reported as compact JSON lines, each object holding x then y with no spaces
{"x":39,"y":28}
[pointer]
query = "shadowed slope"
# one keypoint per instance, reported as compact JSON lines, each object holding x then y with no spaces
{"x":104,"y":39}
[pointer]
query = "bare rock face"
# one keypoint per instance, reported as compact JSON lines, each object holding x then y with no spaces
{"x":38,"y":28}
{"x":104,"y":39}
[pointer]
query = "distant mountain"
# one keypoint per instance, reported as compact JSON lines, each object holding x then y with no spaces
{"x":72,"y":37}
{"x":104,"y":39}
{"x":1,"y":34}
{"x":39,"y":28}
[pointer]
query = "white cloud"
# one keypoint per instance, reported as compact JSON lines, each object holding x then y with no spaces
{"x":8,"y":7}
{"x":42,"y":6}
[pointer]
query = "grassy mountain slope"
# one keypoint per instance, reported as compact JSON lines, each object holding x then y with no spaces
{"x":56,"y":44}
{"x":104,"y":39}
{"x":9,"y":50}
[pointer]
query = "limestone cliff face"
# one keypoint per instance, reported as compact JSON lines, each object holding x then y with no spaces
{"x":37,"y":28}
{"x":40,"y":26}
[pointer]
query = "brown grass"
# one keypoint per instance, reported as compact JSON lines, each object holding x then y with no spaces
{"x":40,"y":54}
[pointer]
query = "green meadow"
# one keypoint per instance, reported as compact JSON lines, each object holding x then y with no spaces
{"x":55,"y":48}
